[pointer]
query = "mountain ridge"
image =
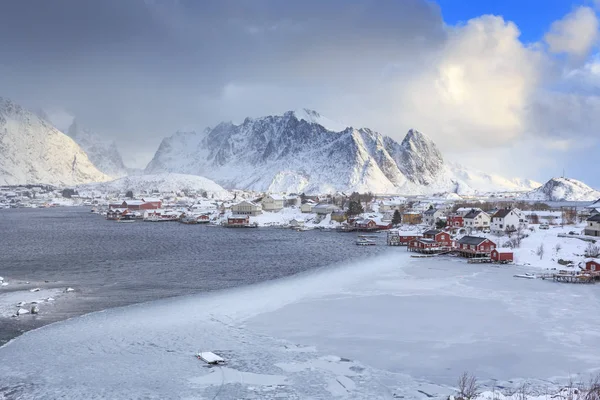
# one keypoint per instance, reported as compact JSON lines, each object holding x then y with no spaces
{"x":33,"y":151}
{"x":563,"y":189}
{"x":297,"y":154}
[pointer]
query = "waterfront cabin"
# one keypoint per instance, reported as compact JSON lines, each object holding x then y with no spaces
{"x":238,"y":221}
{"x":203,"y":219}
{"x":502,"y":255}
{"x":440,"y":237}
{"x":592,"y":264}
{"x":402,"y":238}
{"x":366,"y":224}
{"x":426,"y":246}
{"x":473,"y":246}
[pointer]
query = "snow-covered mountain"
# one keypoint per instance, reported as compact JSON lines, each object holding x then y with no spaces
{"x":33,"y":151}
{"x":295,"y":152}
{"x":163,"y":183}
{"x":563,"y":189}
{"x":101,"y":152}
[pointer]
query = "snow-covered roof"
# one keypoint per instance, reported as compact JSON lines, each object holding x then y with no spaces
{"x":276,"y":197}
{"x":504,"y":250}
{"x":409,"y":233}
{"x":151,"y":199}
{"x":134,"y":202}
{"x":237,"y":216}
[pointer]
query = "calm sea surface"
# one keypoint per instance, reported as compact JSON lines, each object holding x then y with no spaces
{"x":112,"y":264}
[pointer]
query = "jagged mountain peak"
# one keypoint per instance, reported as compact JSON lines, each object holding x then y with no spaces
{"x":314,"y":117}
{"x":302,"y":151}
{"x":417,"y":140}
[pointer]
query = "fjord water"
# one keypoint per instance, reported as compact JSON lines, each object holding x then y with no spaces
{"x":111,"y":264}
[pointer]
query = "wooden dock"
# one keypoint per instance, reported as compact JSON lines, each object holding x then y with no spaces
{"x":479,"y":260}
{"x":569,"y":277}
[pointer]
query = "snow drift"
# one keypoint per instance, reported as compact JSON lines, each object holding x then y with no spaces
{"x":163,"y":183}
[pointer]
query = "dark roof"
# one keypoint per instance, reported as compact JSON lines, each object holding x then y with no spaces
{"x":594,"y":218}
{"x":432,"y":232}
{"x":472,"y":240}
{"x":502,"y":213}
{"x":430,"y":211}
{"x":472,"y":214}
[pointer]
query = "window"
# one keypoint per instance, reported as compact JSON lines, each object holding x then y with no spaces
{"x":500,"y":226}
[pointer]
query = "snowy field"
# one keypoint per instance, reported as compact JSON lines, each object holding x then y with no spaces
{"x":379,"y":329}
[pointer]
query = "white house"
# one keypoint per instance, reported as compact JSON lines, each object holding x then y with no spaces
{"x":246,"y":208}
{"x":307,"y":207}
{"x":510,"y":218}
{"x":391,"y":205}
{"x":592,"y":227}
{"x":272,"y":202}
{"x":431,"y":216}
{"x":477,"y":219}
{"x":324,"y":209}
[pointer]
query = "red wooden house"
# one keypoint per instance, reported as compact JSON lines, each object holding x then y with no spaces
{"x":404,"y":238}
{"x":366,"y":224}
{"x":592,"y":265}
{"x":455,"y":221}
{"x":440,"y":237}
{"x":502,"y":255}
{"x":473,"y":246}
{"x":238,"y":220}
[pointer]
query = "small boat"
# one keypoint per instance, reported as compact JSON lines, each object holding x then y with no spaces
{"x":365,"y":242}
{"x":123,"y":220}
{"x":526,"y":276}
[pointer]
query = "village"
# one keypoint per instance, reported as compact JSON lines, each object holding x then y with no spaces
{"x":558,"y":239}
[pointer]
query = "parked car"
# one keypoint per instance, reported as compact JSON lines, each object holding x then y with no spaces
{"x":544,"y":226}
{"x":573,"y":233}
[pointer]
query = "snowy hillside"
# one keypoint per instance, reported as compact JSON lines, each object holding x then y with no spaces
{"x":563,"y":189}
{"x":163,"y":183}
{"x":101,"y":152}
{"x":33,"y":151}
{"x":295,"y":152}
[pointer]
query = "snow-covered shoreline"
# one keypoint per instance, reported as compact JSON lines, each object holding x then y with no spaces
{"x":18,"y":297}
{"x":381,"y":328}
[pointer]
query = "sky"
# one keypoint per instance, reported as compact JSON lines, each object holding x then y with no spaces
{"x":508,"y":87}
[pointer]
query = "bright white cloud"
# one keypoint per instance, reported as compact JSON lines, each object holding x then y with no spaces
{"x":575,"y":34}
{"x":477,"y":91}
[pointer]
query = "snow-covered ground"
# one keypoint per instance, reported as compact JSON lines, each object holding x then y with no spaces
{"x":285,"y":217}
{"x":555,"y":248}
{"x":391,"y":327}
